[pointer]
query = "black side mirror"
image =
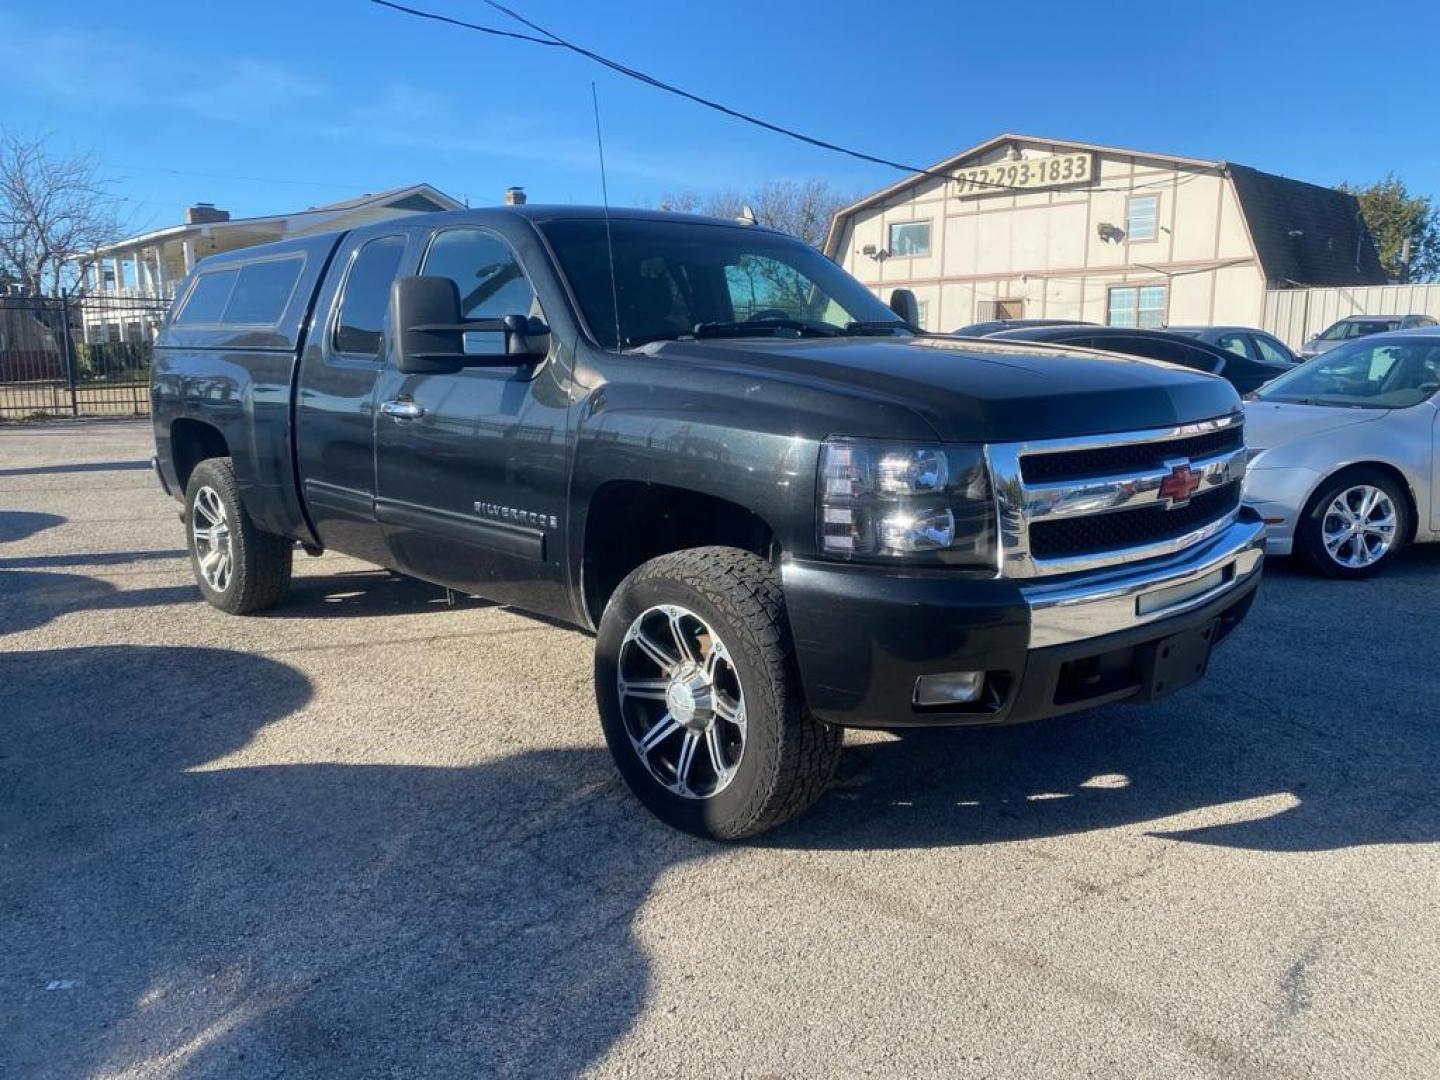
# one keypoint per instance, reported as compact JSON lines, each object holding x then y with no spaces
{"x":432,"y":336}
{"x":904,"y":304}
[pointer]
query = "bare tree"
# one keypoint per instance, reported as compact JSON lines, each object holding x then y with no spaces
{"x":52,"y":209}
{"x":800,"y":208}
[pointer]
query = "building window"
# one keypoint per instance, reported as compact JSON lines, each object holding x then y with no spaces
{"x":1142,"y":217}
{"x":924,"y":318}
{"x":1142,"y":307}
{"x":910,"y":238}
{"x":1002,"y":310}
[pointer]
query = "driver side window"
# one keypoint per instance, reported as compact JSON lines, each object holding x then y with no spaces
{"x":1233,"y":343}
{"x":489,"y":279}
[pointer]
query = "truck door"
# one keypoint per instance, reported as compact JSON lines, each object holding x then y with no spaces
{"x":472,"y":466}
{"x":335,"y":410}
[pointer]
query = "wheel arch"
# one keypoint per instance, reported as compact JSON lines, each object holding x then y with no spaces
{"x":630,"y":522}
{"x":191,"y":442}
{"x":1383,"y":467}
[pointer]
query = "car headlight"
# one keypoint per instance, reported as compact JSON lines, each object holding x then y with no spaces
{"x":929,"y":502}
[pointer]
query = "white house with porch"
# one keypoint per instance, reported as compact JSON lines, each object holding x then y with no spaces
{"x":153,"y":264}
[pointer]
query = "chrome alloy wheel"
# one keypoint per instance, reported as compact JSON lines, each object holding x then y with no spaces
{"x":681,"y":700}
{"x":1359,"y":526}
{"x":214,"y":551}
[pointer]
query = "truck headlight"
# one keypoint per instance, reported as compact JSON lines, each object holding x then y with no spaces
{"x":930,"y":502}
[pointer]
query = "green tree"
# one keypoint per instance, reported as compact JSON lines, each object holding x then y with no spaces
{"x":1393,"y":216}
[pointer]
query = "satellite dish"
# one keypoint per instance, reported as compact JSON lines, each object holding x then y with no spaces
{"x":747,"y":216}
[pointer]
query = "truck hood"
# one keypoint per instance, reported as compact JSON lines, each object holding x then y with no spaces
{"x":971,"y":390}
{"x":1269,"y":424}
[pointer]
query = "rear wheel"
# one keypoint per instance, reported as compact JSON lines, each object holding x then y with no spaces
{"x":1356,"y":525}
{"x":700,"y":700}
{"x":238,"y":567}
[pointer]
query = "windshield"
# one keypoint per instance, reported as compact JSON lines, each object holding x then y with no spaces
{"x":1353,"y":328}
{"x":1368,"y":374}
{"x":679,"y":278}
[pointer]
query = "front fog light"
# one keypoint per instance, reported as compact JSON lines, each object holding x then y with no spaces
{"x":951,"y":688}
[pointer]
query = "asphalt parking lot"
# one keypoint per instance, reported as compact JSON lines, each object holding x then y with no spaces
{"x":370,"y":834}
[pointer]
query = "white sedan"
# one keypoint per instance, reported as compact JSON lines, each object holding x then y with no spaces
{"x":1343,"y":453}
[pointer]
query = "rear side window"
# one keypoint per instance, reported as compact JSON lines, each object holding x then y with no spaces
{"x":1270,"y":353}
{"x":208,"y":297}
{"x":1172,"y":352}
{"x":366,"y":297}
{"x":262,"y":291}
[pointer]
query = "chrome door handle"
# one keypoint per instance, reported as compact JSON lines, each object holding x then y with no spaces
{"x":403,"y":410}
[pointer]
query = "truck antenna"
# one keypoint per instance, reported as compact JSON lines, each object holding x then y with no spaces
{"x":605,"y":197}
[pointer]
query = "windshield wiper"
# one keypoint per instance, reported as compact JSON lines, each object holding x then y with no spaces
{"x":752,"y":327}
{"x":869,"y":326}
{"x":634,"y":341}
{"x":1316,"y":402}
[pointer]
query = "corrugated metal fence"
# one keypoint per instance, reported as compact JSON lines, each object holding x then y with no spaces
{"x":1297,"y":315}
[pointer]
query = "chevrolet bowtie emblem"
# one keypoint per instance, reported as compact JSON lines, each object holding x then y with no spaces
{"x":1179,"y":484}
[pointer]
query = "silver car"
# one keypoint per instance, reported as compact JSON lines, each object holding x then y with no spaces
{"x":1344,"y":450}
{"x":1358,"y":326}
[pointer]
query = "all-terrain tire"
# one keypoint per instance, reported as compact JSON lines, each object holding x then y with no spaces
{"x":259,"y":562}
{"x":789,"y":755}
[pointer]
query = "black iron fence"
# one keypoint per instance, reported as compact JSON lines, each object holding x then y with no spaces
{"x":77,"y":355}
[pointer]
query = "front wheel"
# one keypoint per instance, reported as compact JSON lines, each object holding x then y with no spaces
{"x":699,"y":696}
{"x":238,"y":567}
{"x":1356,"y":525}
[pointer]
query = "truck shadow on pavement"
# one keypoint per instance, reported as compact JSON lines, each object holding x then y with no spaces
{"x":18,"y":525}
{"x":232,"y":917}
{"x":358,"y":593}
{"x":77,"y":467}
{"x":33,"y":598}
{"x":237,"y":919}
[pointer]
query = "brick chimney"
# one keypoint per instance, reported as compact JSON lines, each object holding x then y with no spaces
{"x":203,"y":213}
{"x":514,"y":196}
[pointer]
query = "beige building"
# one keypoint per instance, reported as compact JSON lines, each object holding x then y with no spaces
{"x":1023,"y":227}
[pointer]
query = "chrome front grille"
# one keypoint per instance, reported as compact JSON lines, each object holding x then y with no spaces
{"x":1089,"y":462}
{"x":1066,"y":505}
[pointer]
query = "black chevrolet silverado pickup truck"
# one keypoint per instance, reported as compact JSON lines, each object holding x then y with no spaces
{"x":780,"y":508}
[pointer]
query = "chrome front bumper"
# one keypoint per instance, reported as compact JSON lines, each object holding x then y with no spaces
{"x":1120,"y":598}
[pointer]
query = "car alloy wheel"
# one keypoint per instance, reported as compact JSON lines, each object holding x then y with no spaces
{"x":214,"y":550}
{"x":1359,"y":526}
{"x":681,"y":701}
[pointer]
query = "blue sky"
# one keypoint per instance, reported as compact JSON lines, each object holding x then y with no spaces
{"x":339,"y":97}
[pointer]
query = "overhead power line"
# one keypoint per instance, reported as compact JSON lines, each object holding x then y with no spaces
{"x":548,"y":38}
{"x":233,"y":176}
{"x":435,"y":16}
{"x":650,"y":80}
